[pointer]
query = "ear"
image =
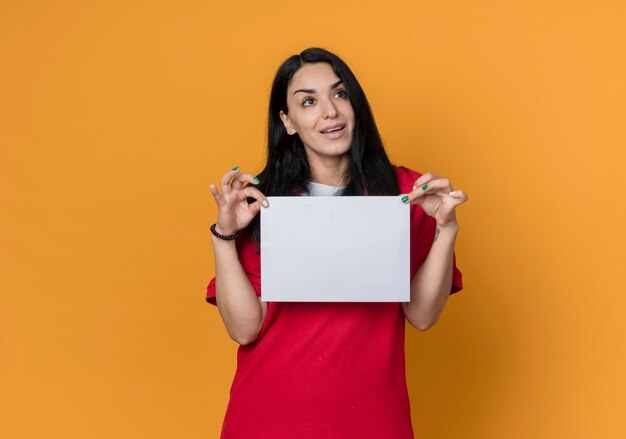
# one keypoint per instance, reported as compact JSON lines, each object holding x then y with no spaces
{"x":288,"y":126}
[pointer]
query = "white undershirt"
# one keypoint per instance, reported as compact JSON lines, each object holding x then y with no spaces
{"x":323,"y":190}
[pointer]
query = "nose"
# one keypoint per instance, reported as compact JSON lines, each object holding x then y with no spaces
{"x":330,"y":110}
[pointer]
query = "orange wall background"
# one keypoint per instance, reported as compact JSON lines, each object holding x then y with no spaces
{"x":115,"y":117}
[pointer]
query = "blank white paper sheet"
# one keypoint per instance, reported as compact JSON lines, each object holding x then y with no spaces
{"x":335,"y":249}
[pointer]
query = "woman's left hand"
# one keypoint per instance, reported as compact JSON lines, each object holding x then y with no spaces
{"x":437,"y":198}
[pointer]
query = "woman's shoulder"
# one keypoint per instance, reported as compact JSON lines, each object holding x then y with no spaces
{"x":406,"y":178}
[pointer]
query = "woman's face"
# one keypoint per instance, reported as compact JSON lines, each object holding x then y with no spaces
{"x":320,"y":112}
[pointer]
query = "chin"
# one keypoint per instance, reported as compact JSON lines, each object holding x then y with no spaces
{"x":331,"y":148}
{"x":338,"y":148}
{"x":336,"y":152}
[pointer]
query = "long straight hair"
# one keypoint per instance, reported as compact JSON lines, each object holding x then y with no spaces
{"x":287,"y":169}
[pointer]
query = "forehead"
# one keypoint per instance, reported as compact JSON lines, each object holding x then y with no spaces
{"x":317,"y":76}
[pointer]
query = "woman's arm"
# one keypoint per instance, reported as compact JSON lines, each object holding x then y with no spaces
{"x":241,"y":309}
{"x":431,"y":285}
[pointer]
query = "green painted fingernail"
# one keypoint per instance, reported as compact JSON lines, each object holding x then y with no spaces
{"x":424,"y":187}
{"x":236,"y":168}
{"x":405,"y":198}
{"x":256,"y":180}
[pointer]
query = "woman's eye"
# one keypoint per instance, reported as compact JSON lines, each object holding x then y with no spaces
{"x":341,"y":93}
{"x":307,"y":101}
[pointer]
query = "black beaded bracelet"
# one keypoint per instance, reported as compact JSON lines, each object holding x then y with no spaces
{"x":224,"y":237}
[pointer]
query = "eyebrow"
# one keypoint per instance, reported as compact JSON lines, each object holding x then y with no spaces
{"x":312,"y":90}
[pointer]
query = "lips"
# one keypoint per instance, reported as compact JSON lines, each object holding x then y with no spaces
{"x":333,"y":128}
{"x":334,"y":131}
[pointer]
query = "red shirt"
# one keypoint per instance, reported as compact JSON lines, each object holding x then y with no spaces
{"x":326,"y":370}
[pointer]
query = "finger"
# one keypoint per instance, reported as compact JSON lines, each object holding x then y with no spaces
{"x":225,"y":181}
{"x":242,"y":178}
{"x":216,"y":195}
{"x":261,"y":200}
{"x":425,"y":178}
{"x":439,"y":187}
{"x":435,"y":185}
{"x":412,"y":197}
{"x":254,"y":208}
{"x":459,"y":195}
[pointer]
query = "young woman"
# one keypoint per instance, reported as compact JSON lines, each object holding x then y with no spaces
{"x":325,"y":370}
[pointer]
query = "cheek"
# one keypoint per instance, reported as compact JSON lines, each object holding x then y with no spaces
{"x":348,"y":111}
{"x":309,"y":120}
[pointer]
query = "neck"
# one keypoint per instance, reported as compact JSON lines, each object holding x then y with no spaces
{"x":332,"y":171}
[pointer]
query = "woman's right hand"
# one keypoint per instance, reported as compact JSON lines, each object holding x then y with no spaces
{"x":234,"y":212}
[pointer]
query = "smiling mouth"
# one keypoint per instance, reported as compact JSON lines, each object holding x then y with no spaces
{"x":333,"y":129}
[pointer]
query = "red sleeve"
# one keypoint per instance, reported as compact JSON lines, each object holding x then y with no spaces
{"x":250,"y":261}
{"x":423,"y":231}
